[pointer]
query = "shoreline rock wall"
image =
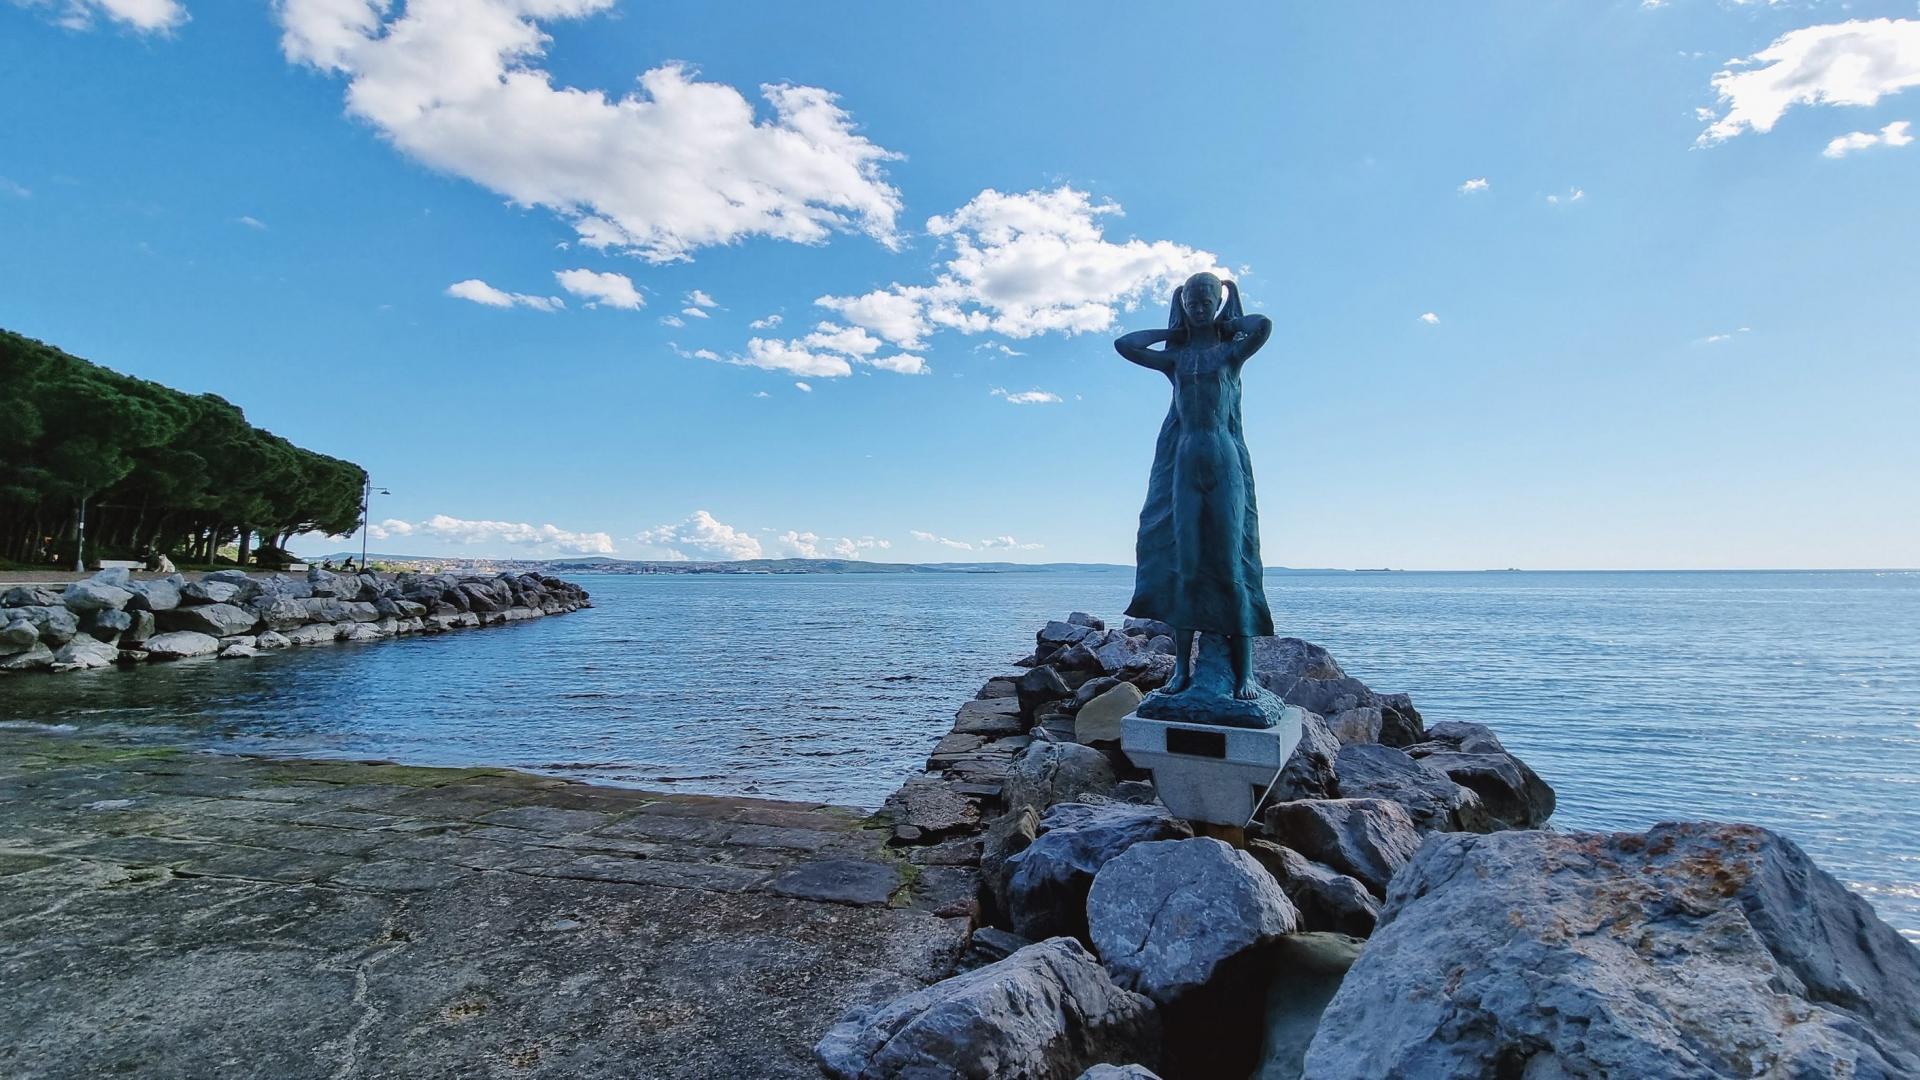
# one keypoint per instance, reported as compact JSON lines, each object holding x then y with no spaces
{"x":1398,"y":909}
{"x":110,"y":618}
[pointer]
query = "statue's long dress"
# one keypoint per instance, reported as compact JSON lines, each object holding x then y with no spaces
{"x":1226,"y":593}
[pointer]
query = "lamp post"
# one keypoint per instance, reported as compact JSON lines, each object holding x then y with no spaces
{"x":366,"y":516}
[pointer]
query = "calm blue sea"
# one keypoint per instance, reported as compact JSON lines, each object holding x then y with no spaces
{"x":1787,"y":699}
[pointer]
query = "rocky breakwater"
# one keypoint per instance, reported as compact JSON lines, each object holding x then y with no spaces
{"x":112,"y":618}
{"x":1398,"y":910}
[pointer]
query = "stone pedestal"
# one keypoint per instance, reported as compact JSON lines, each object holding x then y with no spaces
{"x":1206,"y":772}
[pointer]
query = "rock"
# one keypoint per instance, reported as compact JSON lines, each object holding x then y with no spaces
{"x":1098,"y":721}
{"x":1081,"y":618}
{"x":29,"y":596}
{"x":1046,"y":773}
{"x":1693,"y":950}
{"x":1279,"y":658}
{"x":328,"y":584}
{"x":1309,"y":773}
{"x":1119,"y":1072}
{"x":358,"y":632}
{"x":1047,"y":891}
{"x":1400,"y":723}
{"x":54,"y":623}
{"x":107,"y":624}
{"x":84,"y":652}
{"x":1463,"y":737}
{"x":139,"y":630}
{"x":311,"y":634}
{"x":209,"y":591}
{"x":930,"y":804}
{"x":1121,"y":653}
{"x":117,"y":576}
{"x":1091,"y":689}
{"x":1161,"y":644}
{"x":1328,"y":697}
{"x":1368,"y":839}
{"x":278,"y":612}
{"x":989,"y":716}
{"x":219,"y":620}
{"x":1166,"y":916}
{"x":1148,"y":628}
{"x":18,"y":634}
{"x":1007,"y":835}
{"x":180,"y":644}
{"x":990,"y":944}
{"x":1038,"y":685}
{"x":32,"y":658}
{"x":159,"y":594}
{"x":328,"y":609}
{"x":270,"y":641}
{"x":1047,"y":1012}
{"x":1308,"y":970}
{"x":1057,"y":634}
{"x":132,"y":656}
{"x":239,"y":650}
{"x":246,"y":586}
{"x":858,"y":882}
{"x":1432,"y":799}
{"x":1471,"y":756}
{"x":1326,"y":899}
{"x":1361,"y":725}
{"x":92,"y":594}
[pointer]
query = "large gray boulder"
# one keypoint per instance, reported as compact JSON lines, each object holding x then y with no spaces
{"x":1047,"y":889}
{"x":29,"y":596}
{"x":1276,"y":659}
{"x":1098,"y":721}
{"x":1045,"y":1013}
{"x":219,"y":620}
{"x":1693,"y":950}
{"x":107,"y":624}
{"x":1309,"y":773}
{"x":1058,"y":634}
{"x":1326,"y":899}
{"x":1006,"y":836}
{"x":32,"y":658}
{"x":53,"y":622}
{"x":1046,"y":773}
{"x":210,"y":591}
{"x":93,"y":594}
{"x":279,"y":612}
{"x":1472,"y":757}
{"x":85,"y":652}
{"x":17,"y":634}
{"x":1119,"y":1072}
{"x":181,"y":644}
{"x":1431,"y":798}
{"x":1166,"y":916}
{"x":1369,"y":839}
{"x":311,"y":634}
{"x":1037,"y":686}
{"x":140,"y":627}
{"x":159,"y":594}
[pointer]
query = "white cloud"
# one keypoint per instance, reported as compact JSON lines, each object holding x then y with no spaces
{"x":482,"y":293}
{"x":1025,"y":264}
{"x":613,"y":290}
{"x":143,"y":16}
{"x":1478,"y":183}
{"x":701,"y":537}
{"x":1000,"y":347}
{"x":767,"y":323}
{"x":1851,"y":63}
{"x":846,"y":340}
{"x":803,"y":387}
{"x":672,"y":320}
{"x":1716,"y":339}
{"x":1026,"y":397}
{"x":251,"y":222}
{"x":1430,"y":319}
{"x":806,"y":545}
{"x":675,"y":165}
{"x":694,"y":313}
{"x":933,"y":538}
{"x":17,"y":190}
{"x":829,"y":352}
{"x":1009,"y":543}
{"x":791,"y":358}
{"x":698,"y":298}
{"x":1894,"y":134}
{"x":902,"y":364}
{"x":512,"y":533}
{"x":761,"y":394}
{"x":1573,"y":195}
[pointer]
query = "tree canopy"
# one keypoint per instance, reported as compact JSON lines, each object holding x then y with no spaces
{"x":151,"y":468}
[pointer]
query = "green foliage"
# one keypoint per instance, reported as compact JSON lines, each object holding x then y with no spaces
{"x":153,"y":468}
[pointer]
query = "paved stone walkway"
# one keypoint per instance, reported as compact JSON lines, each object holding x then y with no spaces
{"x":174,"y":914}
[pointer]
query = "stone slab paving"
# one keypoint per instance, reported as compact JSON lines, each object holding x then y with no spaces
{"x":166,"y":913}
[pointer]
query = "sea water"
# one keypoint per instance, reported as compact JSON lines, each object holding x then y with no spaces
{"x":1791,"y":700}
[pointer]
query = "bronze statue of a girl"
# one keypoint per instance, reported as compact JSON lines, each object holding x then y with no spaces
{"x":1198,"y":554}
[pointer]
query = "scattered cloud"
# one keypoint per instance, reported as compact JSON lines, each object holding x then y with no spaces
{"x":141,"y":16}
{"x":767,"y":323}
{"x":902,"y":364}
{"x":806,"y":545}
{"x":482,"y":293}
{"x":672,"y":320}
{"x":1851,"y":63}
{"x":1000,"y":347}
{"x":1024,"y":264}
{"x":1026,"y":397}
{"x":613,"y":290}
{"x":251,"y":222}
{"x":830,"y":351}
{"x":1430,"y":319}
{"x":1894,"y":134}
{"x":1716,"y":339}
{"x":701,"y":537}
{"x":17,"y":190}
{"x":699,"y":298}
{"x":933,"y":538}
{"x":761,"y":394}
{"x":803,"y":387}
{"x":1572,"y":196}
{"x":1477,"y":184}
{"x":692,"y":312}
{"x":659,"y":172}
{"x":511,"y":533}
{"x":1009,"y":543}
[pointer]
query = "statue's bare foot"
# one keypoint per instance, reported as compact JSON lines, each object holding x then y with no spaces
{"x":1180,"y":681}
{"x":1247,"y":690}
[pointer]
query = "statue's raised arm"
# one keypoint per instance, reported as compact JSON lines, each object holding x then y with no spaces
{"x":1246,"y":332}
{"x":1134,"y":347}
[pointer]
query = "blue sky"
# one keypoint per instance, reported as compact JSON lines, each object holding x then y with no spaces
{"x":1555,"y":284}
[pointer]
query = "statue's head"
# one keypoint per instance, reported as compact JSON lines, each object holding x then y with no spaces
{"x":1200,"y":298}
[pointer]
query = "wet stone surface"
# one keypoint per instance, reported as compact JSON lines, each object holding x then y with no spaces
{"x":174,"y":914}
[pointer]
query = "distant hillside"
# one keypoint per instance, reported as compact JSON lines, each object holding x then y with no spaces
{"x":601,"y":565}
